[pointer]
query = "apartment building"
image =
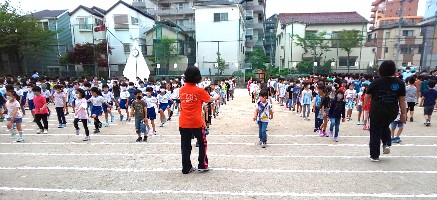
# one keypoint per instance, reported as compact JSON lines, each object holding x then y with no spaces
{"x":386,"y":12}
{"x":270,"y":38}
{"x":288,"y":53}
{"x":255,"y":17}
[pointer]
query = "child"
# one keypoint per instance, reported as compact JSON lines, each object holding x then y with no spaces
{"x":336,"y":111}
{"x":326,"y":100}
{"x":410,"y":97}
{"x":429,"y":97}
{"x":366,"y":108}
{"x":169,"y":90}
{"x":263,"y":112}
{"x":306,"y":101}
{"x":318,"y":114}
{"x":139,"y":111}
{"x":124,"y":99}
{"x":163,"y":99}
{"x":15,"y":115}
{"x":253,"y":90}
{"x":2,"y":102}
{"x":351,"y":100}
{"x":41,"y":110}
{"x":151,"y":104}
{"x":175,"y":98}
{"x":60,"y":104}
{"x":400,"y":125}
{"x":131,"y":90}
{"x":81,"y":113}
{"x":108,"y":103}
{"x":88,"y":95}
{"x":97,"y":101}
{"x":360,"y":105}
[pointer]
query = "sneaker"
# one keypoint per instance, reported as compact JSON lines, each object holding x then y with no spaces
{"x":374,"y":159}
{"x":260,"y":142}
{"x":386,"y":149}
{"x":13,"y":134}
{"x":64,"y":125}
{"x":330,"y":134}
{"x":139,"y":139}
{"x":154,"y":133}
{"x":308,"y":119}
{"x":87,"y":138}
{"x":46,"y":131}
{"x":145,"y":139}
{"x":100,"y":125}
{"x":335,"y":139}
{"x":206,"y":131}
{"x":169,"y":119}
{"x":20,"y":139}
{"x":321,"y":134}
{"x":411,"y":119}
{"x":264,"y":145}
{"x":127,"y":119}
{"x":112,"y":118}
{"x":394,"y":140}
{"x":315,"y":130}
{"x":40,"y":131}
{"x":203,"y":170}
{"x":161,"y":125}
{"x":106,"y":124}
{"x":96,"y":131}
{"x":77,"y":132}
{"x":121,"y":117}
{"x":326,"y":134}
{"x":193,"y":169}
{"x":60,"y":126}
{"x":358,"y":122}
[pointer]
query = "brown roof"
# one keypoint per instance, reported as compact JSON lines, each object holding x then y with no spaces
{"x":322,"y":18}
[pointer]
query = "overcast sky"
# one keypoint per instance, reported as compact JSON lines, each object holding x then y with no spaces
{"x":273,"y":6}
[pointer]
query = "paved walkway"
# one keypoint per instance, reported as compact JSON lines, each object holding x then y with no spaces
{"x":296,"y":163}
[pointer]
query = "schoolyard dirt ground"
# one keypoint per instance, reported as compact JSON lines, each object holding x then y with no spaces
{"x":296,"y":163}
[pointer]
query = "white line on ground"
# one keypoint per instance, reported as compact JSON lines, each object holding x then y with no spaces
{"x":200,"y":192}
{"x":209,"y":155}
{"x":217,"y":169}
{"x":240,"y":135}
{"x":210,"y":143}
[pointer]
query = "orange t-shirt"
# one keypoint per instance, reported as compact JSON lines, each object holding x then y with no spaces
{"x":192,"y":98}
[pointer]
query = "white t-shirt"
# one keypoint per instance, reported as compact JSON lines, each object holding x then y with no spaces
{"x":30,"y":95}
{"x":11,"y":107}
{"x":263,"y":111}
{"x":124,"y":94}
{"x":350,"y":94}
{"x":107,"y":96}
{"x":97,"y":101}
{"x":175,"y":94}
{"x":46,"y":93}
{"x":163,"y":98}
{"x":151,"y":101}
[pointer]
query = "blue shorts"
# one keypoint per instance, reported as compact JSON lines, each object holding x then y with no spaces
{"x":163,"y":106}
{"x":123,"y":104}
{"x":31,"y":105}
{"x":16,"y":120}
{"x":96,"y":110}
{"x":24,"y":99}
{"x":105,"y":107}
{"x":169,"y":104}
{"x":151,"y":113}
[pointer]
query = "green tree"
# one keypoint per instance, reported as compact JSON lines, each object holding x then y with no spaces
{"x":257,"y":59}
{"x":165,"y":52}
{"x":21,"y":36}
{"x":221,"y":64}
{"x":315,"y":44}
{"x":90,"y":54}
{"x":347,"y":40}
{"x":305,"y":67}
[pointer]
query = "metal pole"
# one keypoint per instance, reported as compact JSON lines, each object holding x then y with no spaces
{"x":398,"y":43}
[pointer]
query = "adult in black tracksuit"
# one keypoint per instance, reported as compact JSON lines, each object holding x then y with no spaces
{"x":387,"y":94}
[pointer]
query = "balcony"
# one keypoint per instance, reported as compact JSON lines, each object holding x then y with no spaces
{"x":372,"y":21}
{"x":256,"y":25}
{"x":372,"y":28}
{"x":372,"y":16}
{"x":374,"y":9}
{"x":187,"y":11}
{"x":377,"y":2}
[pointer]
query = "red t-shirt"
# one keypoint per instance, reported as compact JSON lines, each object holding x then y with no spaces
{"x":39,"y":101}
{"x":192,"y":98}
{"x":366,"y":107}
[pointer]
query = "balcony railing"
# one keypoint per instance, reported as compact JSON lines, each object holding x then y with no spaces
{"x":372,"y":16}
{"x":172,"y":11}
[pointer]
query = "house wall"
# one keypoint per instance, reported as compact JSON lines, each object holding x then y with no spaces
{"x":81,"y":36}
{"x":125,"y":36}
{"x":227,"y":37}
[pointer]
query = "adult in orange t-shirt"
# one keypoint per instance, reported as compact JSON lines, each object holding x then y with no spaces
{"x":190,"y":120}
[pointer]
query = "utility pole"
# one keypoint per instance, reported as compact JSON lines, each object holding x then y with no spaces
{"x":398,"y":42}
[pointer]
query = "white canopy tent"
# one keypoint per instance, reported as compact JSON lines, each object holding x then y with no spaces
{"x":136,"y":65}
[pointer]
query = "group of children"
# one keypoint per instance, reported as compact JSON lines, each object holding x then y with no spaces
{"x":333,"y":98}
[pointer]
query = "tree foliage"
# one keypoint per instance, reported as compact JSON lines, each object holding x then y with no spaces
{"x":20,"y":35}
{"x":347,"y":40}
{"x":165,"y":52}
{"x":90,"y":54}
{"x":314,"y":43}
{"x":221,"y":63}
{"x":257,"y":59}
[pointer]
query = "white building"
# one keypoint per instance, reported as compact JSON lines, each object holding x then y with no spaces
{"x":125,"y":24}
{"x":288,"y":53}
{"x":83,"y":20}
{"x":220,"y":27}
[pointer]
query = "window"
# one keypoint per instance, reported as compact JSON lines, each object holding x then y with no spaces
{"x":44,"y":25}
{"x":180,"y":6}
{"x":334,"y":42}
{"x":134,"y":21}
{"x":407,"y":33}
{"x":387,"y":35}
{"x":386,"y":50}
{"x":219,"y":17}
{"x":121,"y":22}
{"x":84,"y":23}
{"x":126,"y":47}
{"x":406,"y":50}
{"x":98,"y":22}
{"x":343,"y":61}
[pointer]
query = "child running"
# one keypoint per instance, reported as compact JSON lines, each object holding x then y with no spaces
{"x":61,"y":105}
{"x":336,"y":111}
{"x":163,"y":99}
{"x":15,"y":115}
{"x":80,"y":113}
{"x":410,"y":97}
{"x":151,"y":104}
{"x":124,"y":99}
{"x":108,"y":103}
{"x":429,"y":96}
{"x":97,"y":101}
{"x":263,"y":113}
{"x":139,"y":111}
{"x":41,"y":110}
